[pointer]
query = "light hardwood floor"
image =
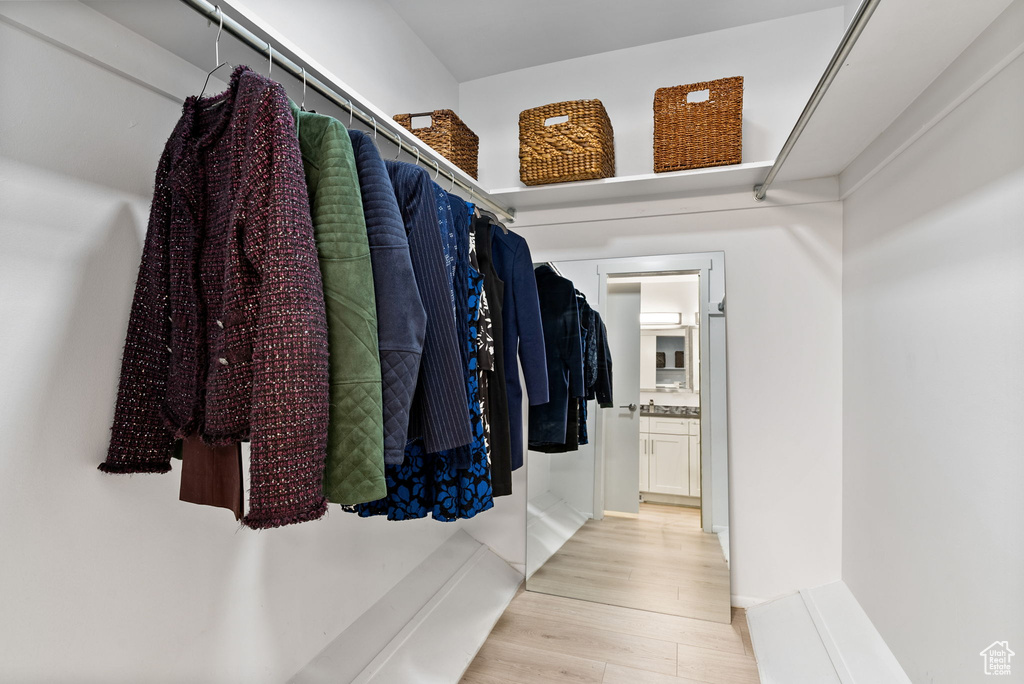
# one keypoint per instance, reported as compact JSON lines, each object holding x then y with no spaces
{"x":547,"y":639}
{"x":644,"y":567}
{"x":661,"y":561}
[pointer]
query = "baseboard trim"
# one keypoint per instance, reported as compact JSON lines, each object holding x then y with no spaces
{"x":858,"y":652}
{"x":746,"y":601}
{"x":550,"y":523}
{"x":428,"y":627}
{"x":821,"y":635}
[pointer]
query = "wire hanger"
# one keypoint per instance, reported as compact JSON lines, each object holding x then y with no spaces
{"x":302,"y":105}
{"x":270,"y":57}
{"x":216,"y":48}
{"x":490,"y":215}
{"x":437,"y":170}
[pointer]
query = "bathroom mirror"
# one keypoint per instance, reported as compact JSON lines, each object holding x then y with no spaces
{"x":638,"y":515}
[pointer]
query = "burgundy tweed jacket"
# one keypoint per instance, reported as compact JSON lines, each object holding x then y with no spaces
{"x":227,"y":336}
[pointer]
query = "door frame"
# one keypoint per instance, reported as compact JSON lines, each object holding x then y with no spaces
{"x":710,"y":266}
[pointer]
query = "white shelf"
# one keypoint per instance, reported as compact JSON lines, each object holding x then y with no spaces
{"x":629,"y":188}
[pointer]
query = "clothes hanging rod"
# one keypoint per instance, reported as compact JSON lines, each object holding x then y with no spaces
{"x":385,"y":127}
{"x":853,"y":31}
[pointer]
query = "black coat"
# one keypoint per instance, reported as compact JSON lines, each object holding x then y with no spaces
{"x":497,"y":390}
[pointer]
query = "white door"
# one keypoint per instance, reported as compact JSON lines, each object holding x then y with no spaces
{"x":670,"y":464}
{"x":622,"y":425}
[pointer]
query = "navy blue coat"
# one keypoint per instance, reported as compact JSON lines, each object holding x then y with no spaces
{"x":523,"y":332}
{"x":564,"y":348}
{"x":440,"y":412}
{"x":401,"y":318}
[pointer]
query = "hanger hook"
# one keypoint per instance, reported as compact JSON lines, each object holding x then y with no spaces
{"x":452,"y":189}
{"x":374,"y":129}
{"x":437,"y":170}
{"x":220,"y":29}
{"x":399,"y":143}
{"x":302,"y":105}
{"x":352,"y":112}
{"x":417,"y":155}
{"x":270,"y":56}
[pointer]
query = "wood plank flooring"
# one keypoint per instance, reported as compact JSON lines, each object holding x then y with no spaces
{"x":544,"y":639}
{"x":661,"y":561}
{"x":625,"y":601}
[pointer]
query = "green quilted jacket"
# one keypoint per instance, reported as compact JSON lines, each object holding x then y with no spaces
{"x":355,"y":436}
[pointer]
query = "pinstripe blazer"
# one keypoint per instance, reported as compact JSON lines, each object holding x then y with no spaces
{"x":440,"y":411}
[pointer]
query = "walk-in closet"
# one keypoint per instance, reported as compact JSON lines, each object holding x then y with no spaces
{"x":403,"y":342}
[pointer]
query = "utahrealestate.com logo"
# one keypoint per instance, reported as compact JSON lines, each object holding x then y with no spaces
{"x":997,"y":658}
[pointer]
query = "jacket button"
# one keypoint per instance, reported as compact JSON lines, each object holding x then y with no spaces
{"x":220,"y":324}
{"x":170,"y":350}
{"x":222,"y":361}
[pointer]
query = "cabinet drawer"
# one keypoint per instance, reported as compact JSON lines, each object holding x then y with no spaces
{"x":670,"y":426}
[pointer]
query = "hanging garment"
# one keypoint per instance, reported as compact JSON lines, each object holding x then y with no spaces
{"x":588,"y":335}
{"x":499,"y":446}
{"x":564,"y":351}
{"x":354,"y":471}
{"x":603,"y":386}
{"x":227,"y":337}
{"x":401,"y":318}
{"x":439,"y":414}
{"x":447,"y":225}
{"x":464,"y":492}
{"x":523,"y":332}
{"x":430,"y":484}
{"x":211,"y":476}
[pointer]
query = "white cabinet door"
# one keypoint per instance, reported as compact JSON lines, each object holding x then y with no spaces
{"x":694,"y":458}
{"x":645,"y":447}
{"x":669,"y":471}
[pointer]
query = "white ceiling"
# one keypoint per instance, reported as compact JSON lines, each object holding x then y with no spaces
{"x":477,"y":38}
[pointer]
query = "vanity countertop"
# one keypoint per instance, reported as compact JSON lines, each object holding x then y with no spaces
{"x":670,"y":411}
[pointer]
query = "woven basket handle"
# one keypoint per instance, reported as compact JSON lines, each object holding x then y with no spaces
{"x":699,"y":95}
{"x":429,"y":115}
{"x":567,"y":119}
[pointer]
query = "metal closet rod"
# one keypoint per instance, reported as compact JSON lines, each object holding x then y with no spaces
{"x":301,"y":72}
{"x":853,"y":31}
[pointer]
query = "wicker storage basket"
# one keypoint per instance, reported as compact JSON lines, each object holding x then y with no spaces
{"x":580,"y":148}
{"x":449,"y":136}
{"x":691,"y":135}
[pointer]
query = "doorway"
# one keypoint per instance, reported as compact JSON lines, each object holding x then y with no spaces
{"x":653,"y":531}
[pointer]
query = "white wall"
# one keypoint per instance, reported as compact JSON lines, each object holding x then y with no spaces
{"x":368,"y":45}
{"x":780,"y":60}
{"x":682,"y":296}
{"x":933,"y":291}
{"x":784,"y":355}
{"x":112,"y":578}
